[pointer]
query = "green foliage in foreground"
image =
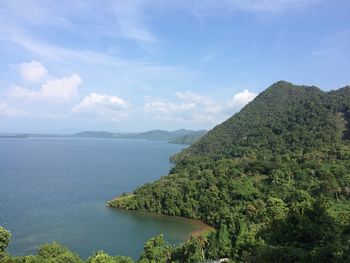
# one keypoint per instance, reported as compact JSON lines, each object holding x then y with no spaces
{"x":156,"y":250}
{"x":56,"y":253}
{"x":4,"y":240}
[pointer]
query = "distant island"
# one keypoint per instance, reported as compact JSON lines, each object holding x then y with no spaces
{"x":181,"y":136}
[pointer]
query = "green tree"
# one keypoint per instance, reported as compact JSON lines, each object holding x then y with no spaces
{"x":192,"y":251}
{"x":4,"y":239}
{"x":102,"y":257}
{"x":57,"y":253}
{"x":156,"y":250}
{"x":223,"y":242}
{"x":276,"y":208}
{"x":212,"y":248}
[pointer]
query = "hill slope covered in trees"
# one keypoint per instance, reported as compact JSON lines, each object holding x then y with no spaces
{"x":283,"y":120}
{"x":274,"y":179}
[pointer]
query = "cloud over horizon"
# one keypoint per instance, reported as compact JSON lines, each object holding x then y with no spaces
{"x":192,"y":107}
{"x":54,"y":89}
{"x":5,"y":110}
{"x":95,"y":105}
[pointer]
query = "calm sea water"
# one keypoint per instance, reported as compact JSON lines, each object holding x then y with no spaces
{"x":56,"y":189}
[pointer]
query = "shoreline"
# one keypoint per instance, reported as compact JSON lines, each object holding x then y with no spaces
{"x":201,"y":227}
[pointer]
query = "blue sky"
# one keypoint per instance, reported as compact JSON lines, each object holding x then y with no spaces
{"x":68,"y":66}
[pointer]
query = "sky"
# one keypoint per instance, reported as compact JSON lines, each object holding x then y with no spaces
{"x":137,"y":65}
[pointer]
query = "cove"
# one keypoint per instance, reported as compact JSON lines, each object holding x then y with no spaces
{"x":55,"y":189}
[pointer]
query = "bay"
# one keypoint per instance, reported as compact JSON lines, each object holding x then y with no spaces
{"x":55,"y":189}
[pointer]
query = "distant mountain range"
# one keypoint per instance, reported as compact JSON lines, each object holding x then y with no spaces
{"x":181,"y":136}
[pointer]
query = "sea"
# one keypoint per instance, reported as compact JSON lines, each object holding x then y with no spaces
{"x":55,"y":189}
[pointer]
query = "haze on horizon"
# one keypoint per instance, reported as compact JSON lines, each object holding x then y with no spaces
{"x":139,"y":65}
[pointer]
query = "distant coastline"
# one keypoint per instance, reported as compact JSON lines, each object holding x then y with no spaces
{"x":182,"y":136}
{"x":19,"y":136}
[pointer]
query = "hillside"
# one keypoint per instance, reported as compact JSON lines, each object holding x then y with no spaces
{"x":283,"y":120}
{"x":273,"y":179}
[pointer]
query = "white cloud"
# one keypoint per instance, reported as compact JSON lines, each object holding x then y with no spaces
{"x":194,"y":107}
{"x":33,"y":71}
{"x":7,"y":111}
{"x":64,"y":88}
{"x":103,"y":106}
{"x":163,"y":109}
{"x":58,"y":88}
{"x":242,"y":98}
{"x":190,"y":96}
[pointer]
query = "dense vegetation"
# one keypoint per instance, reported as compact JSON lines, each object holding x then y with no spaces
{"x":275,"y":177}
{"x":284,"y":121}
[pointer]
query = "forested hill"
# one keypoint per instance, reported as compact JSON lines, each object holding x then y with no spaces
{"x":273,"y":179}
{"x":284,"y":121}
